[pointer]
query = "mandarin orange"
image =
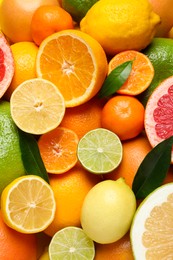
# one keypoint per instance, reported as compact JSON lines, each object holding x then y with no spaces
{"x":134,"y":151}
{"x":83,"y":118}
{"x":123,"y":115}
{"x":47,"y":20}
{"x":70,"y":190}
{"x":15,"y":245}
{"x":119,"y":250}
{"x":141,"y":74}
{"x":58,"y":149}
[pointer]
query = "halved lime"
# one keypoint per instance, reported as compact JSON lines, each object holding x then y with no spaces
{"x":100,"y":151}
{"x":71,"y":243}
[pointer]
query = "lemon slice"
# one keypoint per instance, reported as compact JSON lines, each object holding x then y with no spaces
{"x":28,"y":204}
{"x":71,"y":243}
{"x":100,"y":151}
{"x":151,"y":230}
{"x":37,"y":106}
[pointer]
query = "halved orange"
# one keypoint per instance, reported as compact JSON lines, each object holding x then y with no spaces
{"x":141,"y":74}
{"x":75,"y":62}
{"x":58,"y":149}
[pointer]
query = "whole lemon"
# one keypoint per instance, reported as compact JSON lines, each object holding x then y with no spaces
{"x":120,"y":25}
{"x":108,"y":210}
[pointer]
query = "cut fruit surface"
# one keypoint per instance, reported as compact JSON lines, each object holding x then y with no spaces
{"x":58,"y":150}
{"x":71,"y":243}
{"x":6,"y":65}
{"x":28,"y":204}
{"x":37,"y":106}
{"x":141,"y":74}
{"x":159,"y":113}
{"x":151,"y":230}
{"x":75,"y":62}
{"x":100,"y":151}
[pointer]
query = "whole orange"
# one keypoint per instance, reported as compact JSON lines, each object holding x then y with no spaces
{"x":70,"y":190}
{"x":164,"y":9}
{"x":16,"y":15}
{"x":47,"y":20}
{"x":123,"y":115}
{"x":134,"y":151}
{"x":84,"y":118}
{"x":119,"y":250}
{"x":15,"y":245}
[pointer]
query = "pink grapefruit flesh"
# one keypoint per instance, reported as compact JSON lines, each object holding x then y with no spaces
{"x":6,"y":65}
{"x":159,"y":113}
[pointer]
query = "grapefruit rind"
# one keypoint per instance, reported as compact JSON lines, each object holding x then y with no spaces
{"x":156,"y":198}
{"x":152,"y":104}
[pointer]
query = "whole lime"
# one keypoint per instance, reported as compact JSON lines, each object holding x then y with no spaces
{"x":77,"y":8}
{"x":11,"y":165}
{"x":160,"y":54}
{"x":108,"y":210}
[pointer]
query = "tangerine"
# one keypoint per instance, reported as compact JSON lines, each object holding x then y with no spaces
{"x":48,"y":19}
{"x":123,"y":115}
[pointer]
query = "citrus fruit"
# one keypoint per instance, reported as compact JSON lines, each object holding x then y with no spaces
{"x":119,"y":250}
{"x":71,"y":243}
{"x":123,"y":115}
{"x":70,"y":190}
{"x":48,"y":19}
{"x":15,"y":244}
{"x":77,"y":8}
{"x":134,"y":151}
{"x":16,"y":15}
{"x":141,"y":74}
{"x":58,"y":149}
{"x":6,"y":65}
{"x":100,"y":151}
{"x":37,"y":106}
{"x":158,"y":113}
{"x":120,"y":25}
{"x":108,"y":210}
{"x":160,"y":54}
{"x":83,"y":118}
{"x":151,"y":230}
{"x":164,"y":9}
{"x":11,"y":165}
{"x":28,"y":204}
{"x":24,"y":55}
{"x":78,"y":72}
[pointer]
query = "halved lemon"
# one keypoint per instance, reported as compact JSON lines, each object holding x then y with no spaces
{"x":28,"y":204}
{"x":37,"y":106}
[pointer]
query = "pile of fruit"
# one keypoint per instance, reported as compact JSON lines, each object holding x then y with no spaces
{"x":86,"y":129}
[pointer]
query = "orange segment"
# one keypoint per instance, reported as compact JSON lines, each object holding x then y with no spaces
{"x":58,"y":150}
{"x":141,"y":74}
{"x":75,"y":63}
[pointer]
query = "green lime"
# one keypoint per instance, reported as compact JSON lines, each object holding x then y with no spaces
{"x":77,"y":8}
{"x":160,"y":54}
{"x":100,"y":151}
{"x":11,"y":165}
{"x":71,"y":243}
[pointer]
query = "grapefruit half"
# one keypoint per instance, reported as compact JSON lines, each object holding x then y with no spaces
{"x":6,"y":65}
{"x":158,"y":120}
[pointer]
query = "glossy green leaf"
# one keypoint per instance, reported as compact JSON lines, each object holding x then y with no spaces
{"x":31,"y":157}
{"x":153,"y":169}
{"x":116,"y":79}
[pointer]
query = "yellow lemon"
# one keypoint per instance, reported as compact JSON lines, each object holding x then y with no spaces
{"x":120,"y":25}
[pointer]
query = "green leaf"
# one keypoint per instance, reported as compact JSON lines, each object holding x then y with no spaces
{"x":115,"y":79}
{"x":153,"y":169}
{"x":31,"y":157}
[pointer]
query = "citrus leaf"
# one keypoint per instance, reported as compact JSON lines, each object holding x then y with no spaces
{"x":153,"y":169}
{"x":115,"y":79}
{"x":31,"y":157}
